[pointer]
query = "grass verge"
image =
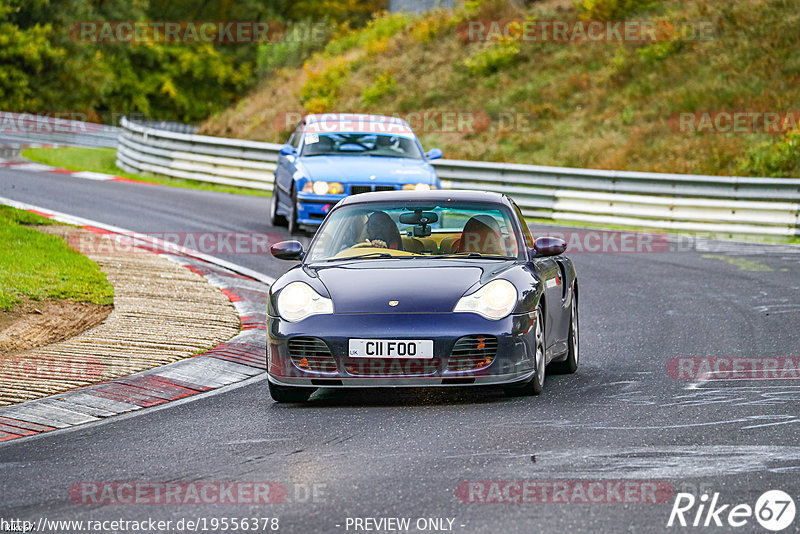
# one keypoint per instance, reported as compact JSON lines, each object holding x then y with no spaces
{"x":104,"y":160}
{"x":40,"y":266}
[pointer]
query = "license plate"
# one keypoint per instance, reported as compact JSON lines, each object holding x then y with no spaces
{"x":391,"y":348}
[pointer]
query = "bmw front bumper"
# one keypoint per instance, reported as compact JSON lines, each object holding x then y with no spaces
{"x":312,"y":209}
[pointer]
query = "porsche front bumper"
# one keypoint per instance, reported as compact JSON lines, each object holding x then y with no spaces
{"x":511,"y":362}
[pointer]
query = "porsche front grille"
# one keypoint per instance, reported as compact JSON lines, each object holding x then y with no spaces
{"x":311,"y":354}
{"x":383,"y":367}
{"x":472,"y":352}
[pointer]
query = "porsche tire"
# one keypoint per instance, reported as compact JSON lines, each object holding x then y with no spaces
{"x":570,"y":365}
{"x":535,"y":385}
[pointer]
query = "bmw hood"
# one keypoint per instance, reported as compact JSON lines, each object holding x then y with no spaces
{"x":354,"y":169}
{"x":367,"y":287}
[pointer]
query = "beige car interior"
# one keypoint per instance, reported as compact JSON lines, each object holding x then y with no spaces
{"x":436,"y":243}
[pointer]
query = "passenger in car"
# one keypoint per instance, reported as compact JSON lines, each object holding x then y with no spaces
{"x":481,"y":234}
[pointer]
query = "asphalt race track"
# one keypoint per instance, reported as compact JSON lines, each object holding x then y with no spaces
{"x":626,"y":417}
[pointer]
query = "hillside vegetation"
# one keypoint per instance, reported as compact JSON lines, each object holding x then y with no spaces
{"x":581,"y":104}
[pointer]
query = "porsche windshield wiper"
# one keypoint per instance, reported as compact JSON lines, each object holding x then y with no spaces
{"x":473,"y":255}
{"x":378,"y":255}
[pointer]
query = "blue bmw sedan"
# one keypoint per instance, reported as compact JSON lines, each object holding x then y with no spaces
{"x":331,"y":156}
{"x":436,"y":288}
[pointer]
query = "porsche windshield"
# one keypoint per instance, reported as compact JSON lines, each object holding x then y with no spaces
{"x":360,"y":144}
{"x":381,"y":230}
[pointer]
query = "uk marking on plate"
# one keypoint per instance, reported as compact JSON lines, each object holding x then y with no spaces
{"x":391,"y":348}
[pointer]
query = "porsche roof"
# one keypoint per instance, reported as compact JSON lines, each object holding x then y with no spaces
{"x":424,"y":196}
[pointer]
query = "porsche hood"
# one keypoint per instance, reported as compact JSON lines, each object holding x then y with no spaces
{"x":364,"y":288}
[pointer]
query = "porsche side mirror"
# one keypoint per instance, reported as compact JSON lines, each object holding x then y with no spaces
{"x":434,"y":153}
{"x":287,"y":150}
{"x":288,"y":250}
{"x":549,"y":246}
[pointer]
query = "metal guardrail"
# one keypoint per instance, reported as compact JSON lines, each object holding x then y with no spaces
{"x":718,"y":204}
{"x":55,"y":130}
{"x":196,"y":157}
{"x":681,"y":202}
{"x":177,"y":127}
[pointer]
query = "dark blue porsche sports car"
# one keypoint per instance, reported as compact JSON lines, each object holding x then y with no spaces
{"x":410,"y":288}
{"x":332,"y":155}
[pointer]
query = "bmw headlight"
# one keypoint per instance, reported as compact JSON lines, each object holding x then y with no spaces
{"x":494,"y":301}
{"x":323,"y":188}
{"x":298,"y":300}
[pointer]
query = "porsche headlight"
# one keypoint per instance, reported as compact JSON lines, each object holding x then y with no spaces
{"x":298,"y":300}
{"x":494,"y":301}
{"x":323,"y":188}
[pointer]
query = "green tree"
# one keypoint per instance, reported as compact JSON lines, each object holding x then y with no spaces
{"x":45,"y":67}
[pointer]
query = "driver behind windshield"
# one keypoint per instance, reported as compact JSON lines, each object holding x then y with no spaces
{"x":382,"y":232}
{"x":388,"y":146}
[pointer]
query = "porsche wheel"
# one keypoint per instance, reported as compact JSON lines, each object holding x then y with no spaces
{"x":570,"y":365}
{"x":535,"y":385}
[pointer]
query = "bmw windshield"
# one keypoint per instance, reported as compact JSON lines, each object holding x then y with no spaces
{"x":360,"y":144}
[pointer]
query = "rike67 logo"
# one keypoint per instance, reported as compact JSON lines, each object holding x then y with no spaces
{"x":774,"y":510}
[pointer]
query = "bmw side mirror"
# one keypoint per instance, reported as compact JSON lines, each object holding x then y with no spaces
{"x":288,"y":250}
{"x":549,"y":246}
{"x":434,"y":153}
{"x":287,"y":150}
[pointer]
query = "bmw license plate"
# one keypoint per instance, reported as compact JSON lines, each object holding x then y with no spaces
{"x":391,"y":348}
